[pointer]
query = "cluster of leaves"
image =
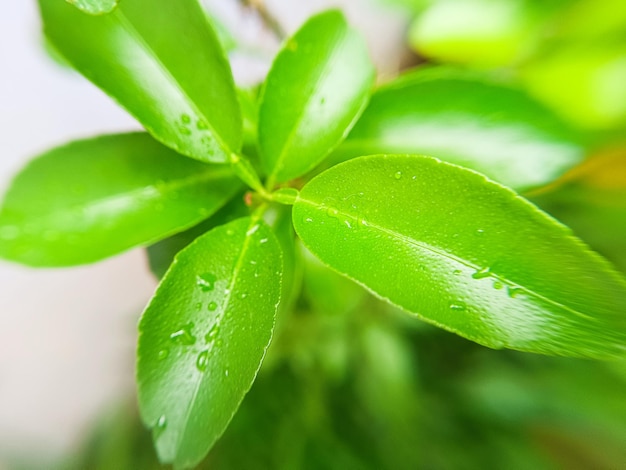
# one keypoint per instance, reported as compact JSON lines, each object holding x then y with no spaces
{"x":447,"y":239}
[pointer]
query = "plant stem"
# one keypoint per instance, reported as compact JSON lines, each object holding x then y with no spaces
{"x":268,"y":19}
{"x":246,"y":173}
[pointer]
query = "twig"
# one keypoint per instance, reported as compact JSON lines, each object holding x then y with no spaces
{"x":268,"y":19}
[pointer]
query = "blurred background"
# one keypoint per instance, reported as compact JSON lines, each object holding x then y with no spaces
{"x":365,"y":387}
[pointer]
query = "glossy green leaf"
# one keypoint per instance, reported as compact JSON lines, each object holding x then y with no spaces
{"x":95,"y":198}
{"x":463,"y":119}
{"x":464,"y":253}
{"x":95,"y":7}
{"x":203,"y":337}
{"x":162,"y":254}
{"x":315,"y":90}
{"x":166,"y":68}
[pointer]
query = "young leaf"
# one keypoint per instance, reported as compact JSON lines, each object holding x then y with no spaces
{"x":163,"y":63}
{"x":315,"y":90}
{"x":95,"y":198}
{"x":462,"y":119}
{"x":464,"y":253}
{"x":95,"y":7}
{"x":204,"y":334}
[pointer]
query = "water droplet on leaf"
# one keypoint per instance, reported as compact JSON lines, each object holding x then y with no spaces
{"x":332,"y":212}
{"x":482,"y":273}
{"x":163,"y":353}
{"x":212,"y":306}
{"x":184,"y":335}
{"x":203,"y":361}
{"x":398,"y":175}
{"x":206,"y":281}
{"x":212,"y":334}
{"x":458,"y":306}
{"x":159,"y":426}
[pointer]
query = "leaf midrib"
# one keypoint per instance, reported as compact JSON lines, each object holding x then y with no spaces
{"x":130,"y":29}
{"x":231,"y":287}
{"x":427,"y":247}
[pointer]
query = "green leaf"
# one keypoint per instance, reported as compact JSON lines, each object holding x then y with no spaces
{"x":95,"y":198}
{"x":203,"y":337}
{"x":162,"y":62}
{"x":162,"y":254}
{"x":318,"y":85}
{"x":95,"y":7}
{"x":470,"y":121}
{"x":464,"y":253}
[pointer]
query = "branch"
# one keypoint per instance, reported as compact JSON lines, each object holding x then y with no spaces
{"x":268,"y":19}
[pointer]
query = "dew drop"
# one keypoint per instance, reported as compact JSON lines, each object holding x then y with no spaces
{"x":480,"y":231}
{"x":482,"y":273}
{"x":185,"y":131}
{"x":243,"y":296}
{"x":457,"y":272}
{"x":332,"y":212}
{"x":163,"y":353}
{"x":206,"y":281}
{"x":199,"y":306}
{"x":226,"y":372}
{"x":398,"y":175}
{"x":184,"y":335}
{"x":185,"y":118}
{"x":252,"y":230}
{"x":497,"y":285}
{"x":308,"y":220}
{"x":262,"y":241}
{"x":160,"y":425}
{"x":212,"y":334}
{"x":202,"y":126}
{"x":202,"y":361}
{"x":514,"y":291}
{"x":212,"y":306}
{"x":458,"y":306}
{"x":348,"y":224}
{"x":252,"y":262}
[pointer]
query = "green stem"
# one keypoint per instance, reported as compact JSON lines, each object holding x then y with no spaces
{"x":246,"y":173}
